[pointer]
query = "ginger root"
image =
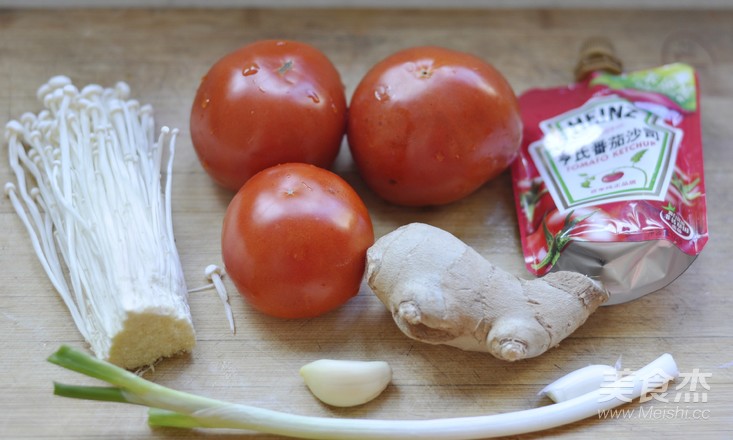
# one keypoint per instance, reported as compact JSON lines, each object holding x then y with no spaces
{"x":441,"y":291}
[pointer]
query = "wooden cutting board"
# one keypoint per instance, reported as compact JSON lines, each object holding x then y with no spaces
{"x":162,"y":54}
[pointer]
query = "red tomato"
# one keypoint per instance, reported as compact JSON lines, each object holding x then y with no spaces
{"x":582,"y":224}
{"x":428,"y":126}
{"x":294,"y":241}
{"x":612,"y":177}
{"x":536,"y":250}
{"x":587,"y":224}
{"x":267,"y":103}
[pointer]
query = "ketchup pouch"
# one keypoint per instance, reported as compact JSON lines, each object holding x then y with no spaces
{"x":609,"y":181}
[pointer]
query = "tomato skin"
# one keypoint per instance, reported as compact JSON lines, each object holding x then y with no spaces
{"x":294,"y":241}
{"x":582,"y":224}
{"x":593,"y":224}
{"x":267,"y":103}
{"x":428,"y":126}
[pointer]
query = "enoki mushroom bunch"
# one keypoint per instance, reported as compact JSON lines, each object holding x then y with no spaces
{"x":89,"y":191}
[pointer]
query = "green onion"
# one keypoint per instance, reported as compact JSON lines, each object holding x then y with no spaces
{"x":173,"y":408}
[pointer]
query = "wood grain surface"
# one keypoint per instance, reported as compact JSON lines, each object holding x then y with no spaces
{"x":162,"y":54}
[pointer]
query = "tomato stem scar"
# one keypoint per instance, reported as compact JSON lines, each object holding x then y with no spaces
{"x":285,"y":67}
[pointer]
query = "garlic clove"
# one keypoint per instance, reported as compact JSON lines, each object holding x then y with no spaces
{"x":579,"y":382}
{"x":345,"y":382}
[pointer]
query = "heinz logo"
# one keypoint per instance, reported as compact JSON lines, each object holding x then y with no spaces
{"x":601,"y":114}
{"x":606,"y":150}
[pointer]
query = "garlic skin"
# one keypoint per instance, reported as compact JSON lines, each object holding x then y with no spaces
{"x":581,"y":381}
{"x":346,"y":383}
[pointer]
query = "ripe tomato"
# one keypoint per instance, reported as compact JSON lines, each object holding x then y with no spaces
{"x":542,"y":247}
{"x":294,"y":241}
{"x":587,"y":224}
{"x":267,"y":103}
{"x":428,"y":126}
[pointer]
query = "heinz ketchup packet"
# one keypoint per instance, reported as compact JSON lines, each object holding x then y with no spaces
{"x":609,"y":181}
